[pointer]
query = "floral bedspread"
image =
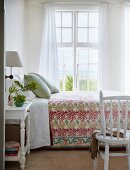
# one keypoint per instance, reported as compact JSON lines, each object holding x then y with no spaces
{"x":73,"y":117}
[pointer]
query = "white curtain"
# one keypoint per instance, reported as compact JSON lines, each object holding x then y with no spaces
{"x":127,"y":49}
{"x":49,"y":54}
{"x":103,"y":41}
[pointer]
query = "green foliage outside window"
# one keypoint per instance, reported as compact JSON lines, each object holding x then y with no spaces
{"x":61,"y":85}
{"x":87,"y":85}
{"x":84,"y":85}
{"x":69,"y":83}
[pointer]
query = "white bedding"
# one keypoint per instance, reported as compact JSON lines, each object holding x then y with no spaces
{"x":40,"y":133}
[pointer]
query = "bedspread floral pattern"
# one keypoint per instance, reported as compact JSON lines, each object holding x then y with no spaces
{"x":73,"y":118}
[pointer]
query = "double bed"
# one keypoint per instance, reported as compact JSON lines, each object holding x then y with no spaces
{"x":67,"y":119}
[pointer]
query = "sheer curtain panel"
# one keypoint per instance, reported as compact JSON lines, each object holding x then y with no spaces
{"x":49,"y":54}
{"x":127,"y":49}
{"x":103,"y":41}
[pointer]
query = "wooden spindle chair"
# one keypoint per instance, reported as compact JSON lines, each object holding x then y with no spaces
{"x":117,"y":108}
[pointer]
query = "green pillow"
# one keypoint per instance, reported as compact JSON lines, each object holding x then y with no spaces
{"x":52,"y":88}
{"x":42,"y":90}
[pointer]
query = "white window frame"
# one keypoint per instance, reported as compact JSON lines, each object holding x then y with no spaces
{"x":75,"y":44}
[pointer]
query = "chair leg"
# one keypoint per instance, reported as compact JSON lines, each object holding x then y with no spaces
{"x":128,"y":151}
{"x":95,"y":164}
{"x":96,"y":160}
{"x":106,"y":157}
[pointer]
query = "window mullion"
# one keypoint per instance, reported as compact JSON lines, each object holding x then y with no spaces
{"x":74,"y":48}
{"x":61,"y":27}
{"x":88,"y":29}
{"x":88,"y":78}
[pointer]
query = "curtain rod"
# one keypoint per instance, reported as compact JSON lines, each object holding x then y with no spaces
{"x":77,"y":1}
{"x":71,"y":3}
{"x":82,"y":2}
{"x":42,"y":3}
{"x":117,"y":1}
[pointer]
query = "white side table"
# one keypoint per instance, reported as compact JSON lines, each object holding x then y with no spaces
{"x":21,"y":114}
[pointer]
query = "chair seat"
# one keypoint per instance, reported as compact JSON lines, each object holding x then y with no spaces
{"x":114,"y":140}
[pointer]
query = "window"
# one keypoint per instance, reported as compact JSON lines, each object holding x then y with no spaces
{"x":77,"y":36}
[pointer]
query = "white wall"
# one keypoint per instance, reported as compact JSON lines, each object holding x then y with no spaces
{"x":14,"y":28}
{"x":33,"y":35}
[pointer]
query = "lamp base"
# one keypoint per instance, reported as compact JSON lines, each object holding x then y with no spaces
{"x":10,"y":76}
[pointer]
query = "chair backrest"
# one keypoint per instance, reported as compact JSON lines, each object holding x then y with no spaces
{"x":114,"y":114}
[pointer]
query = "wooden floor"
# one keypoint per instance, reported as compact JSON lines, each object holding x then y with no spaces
{"x":65,"y":160}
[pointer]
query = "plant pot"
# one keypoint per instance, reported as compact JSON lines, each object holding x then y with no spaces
{"x":10,"y":100}
{"x":19,"y":104}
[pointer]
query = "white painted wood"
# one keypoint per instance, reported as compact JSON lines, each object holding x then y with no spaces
{"x":21,"y":114}
{"x":106,"y":158}
{"x":102,"y":155}
{"x":128,"y":151}
{"x":118,"y":120}
{"x":12,"y":158}
{"x":16,"y":113}
{"x":123,"y":106}
{"x":102,"y":116}
{"x":2,"y":82}
{"x":28,"y":133}
{"x":95,"y":164}
{"x":111,"y":120}
{"x":22,"y":141}
{"x":126,"y":120}
{"x":95,"y":161}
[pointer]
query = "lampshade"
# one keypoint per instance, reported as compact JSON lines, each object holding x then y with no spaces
{"x":13,"y":59}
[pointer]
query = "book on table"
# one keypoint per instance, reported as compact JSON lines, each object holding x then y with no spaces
{"x":11,"y":148}
{"x":12,"y":144}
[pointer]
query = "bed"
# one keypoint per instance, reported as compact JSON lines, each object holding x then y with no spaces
{"x":67,"y":119}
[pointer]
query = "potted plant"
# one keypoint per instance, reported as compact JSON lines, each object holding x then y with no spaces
{"x":18,"y":88}
{"x":19,"y":100}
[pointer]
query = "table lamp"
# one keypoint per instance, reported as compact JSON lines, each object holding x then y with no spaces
{"x":12,"y":60}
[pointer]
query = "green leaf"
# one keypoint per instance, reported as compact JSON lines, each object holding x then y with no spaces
{"x":19,"y":98}
{"x":12,"y":89}
{"x":69,"y":83}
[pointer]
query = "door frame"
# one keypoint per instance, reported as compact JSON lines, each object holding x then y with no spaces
{"x":2,"y":77}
